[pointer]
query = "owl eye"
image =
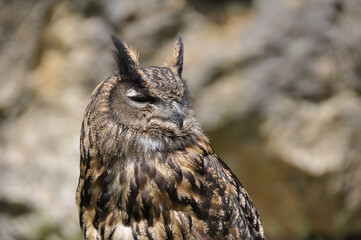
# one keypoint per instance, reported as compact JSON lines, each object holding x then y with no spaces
{"x":139,"y":97}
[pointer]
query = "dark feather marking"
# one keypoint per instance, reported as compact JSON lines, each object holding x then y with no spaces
{"x":91,"y":142}
{"x":205,"y":152}
{"x":101,"y":209}
{"x":111,"y":233}
{"x":83,"y":156}
{"x":189,"y":176}
{"x":157,"y":210}
{"x":177,"y":170}
{"x":134,"y":233}
{"x":196,"y":209}
{"x":206,"y":204}
{"x":101,"y":161}
{"x":152,"y":171}
{"x":82,"y":132}
{"x":171,"y":190}
{"x":184,"y":201}
{"x":136,"y":213}
{"x":112,"y":161}
{"x":227,"y":208}
{"x":144,"y":167}
{"x":147,"y":204}
{"x":119,"y":202}
{"x":122,"y":176}
{"x":149,"y":236}
{"x":86,"y":193}
{"x":105,"y":178}
{"x":212,"y":222}
{"x":127,"y":220}
{"x":87,"y":160}
{"x":255,"y":224}
{"x":98,"y":213}
{"x":183,"y":231}
{"x":133,"y":192}
{"x":166,"y":215}
{"x":103,"y":201}
{"x":81,"y":218}
{"x":135,"y":168}
{"x":140,"y":177}
{"x":225,"y":228}
{"x":82,"y":161}
{"x":200,"y":167}
{"x":167,"y":221}
{"x":168,"y":231}
{"x":102,"y":231}
{"x":189,"y":221}
{"x":161,"y":182}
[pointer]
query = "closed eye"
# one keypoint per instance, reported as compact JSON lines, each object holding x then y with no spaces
{"x":139,"y":97}
{"x":142,"y":98}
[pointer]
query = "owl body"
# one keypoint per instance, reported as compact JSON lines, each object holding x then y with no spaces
{"x":147,"y":170}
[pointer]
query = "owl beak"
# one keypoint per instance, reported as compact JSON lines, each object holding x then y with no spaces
{"x":177,"y":116}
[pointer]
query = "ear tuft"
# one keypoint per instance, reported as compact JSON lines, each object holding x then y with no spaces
{"x":176,"y":61}
{"x":126,"y":57}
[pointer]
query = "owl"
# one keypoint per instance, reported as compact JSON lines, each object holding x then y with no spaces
{"x":147,"y":170}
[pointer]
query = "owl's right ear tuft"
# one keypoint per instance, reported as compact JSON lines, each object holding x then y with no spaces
{"x":176,"y":60}
{"x":126,"y":57}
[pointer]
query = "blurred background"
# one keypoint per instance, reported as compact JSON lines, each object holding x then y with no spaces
{"x":277,"y":86}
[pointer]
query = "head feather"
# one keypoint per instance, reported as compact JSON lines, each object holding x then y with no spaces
{"x":126,"y":57}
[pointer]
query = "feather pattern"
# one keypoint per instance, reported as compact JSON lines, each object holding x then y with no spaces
{"x":150,"y":178}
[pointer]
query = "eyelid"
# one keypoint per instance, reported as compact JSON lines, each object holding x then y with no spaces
{"x":132,"y":93}
{"x":139,"y":97}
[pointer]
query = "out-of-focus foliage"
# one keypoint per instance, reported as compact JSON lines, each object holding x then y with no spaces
{"x":276,"y":83}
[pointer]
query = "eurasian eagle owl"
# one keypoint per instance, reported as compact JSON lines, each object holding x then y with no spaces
{"x":147,"y":170}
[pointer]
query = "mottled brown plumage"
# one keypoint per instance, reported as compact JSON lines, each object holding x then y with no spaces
{"x":147,"y":171}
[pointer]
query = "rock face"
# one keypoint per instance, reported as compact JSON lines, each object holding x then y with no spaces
{"x":277,"y":85}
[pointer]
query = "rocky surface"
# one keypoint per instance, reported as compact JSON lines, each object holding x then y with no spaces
{"x":277,"y":86}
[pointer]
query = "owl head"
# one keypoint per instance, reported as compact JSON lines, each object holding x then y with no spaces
{"x":151,"y":103}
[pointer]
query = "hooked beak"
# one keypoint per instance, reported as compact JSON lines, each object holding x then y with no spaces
{"x":177,"y":115}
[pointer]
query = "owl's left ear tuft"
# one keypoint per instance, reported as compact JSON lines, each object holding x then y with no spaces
{"x":126,"y":57}
{"x":176,"y":61}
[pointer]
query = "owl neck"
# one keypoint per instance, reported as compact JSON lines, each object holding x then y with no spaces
{"x":134,"y":143}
